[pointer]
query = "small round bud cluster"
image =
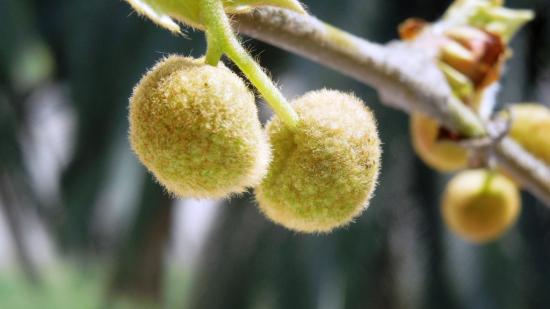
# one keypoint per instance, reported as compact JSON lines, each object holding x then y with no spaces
{"x":440,"y":154}
{"x":480,"y":205}
{"x":195,"y":127}
{"x":323,"y":171}
{"x":531,"y":129}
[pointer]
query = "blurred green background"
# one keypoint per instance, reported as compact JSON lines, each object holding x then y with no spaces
{"x":82,"y":224}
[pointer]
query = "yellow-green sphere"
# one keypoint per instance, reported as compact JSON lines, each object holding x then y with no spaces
{"x":324,"y":170}
{"x":196,"y":128}
{"x":480,"y":206}
{"x":531,"y":129}
{"x":441,"y":155}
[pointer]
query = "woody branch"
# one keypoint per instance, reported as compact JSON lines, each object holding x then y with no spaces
{"x":393,"y":70}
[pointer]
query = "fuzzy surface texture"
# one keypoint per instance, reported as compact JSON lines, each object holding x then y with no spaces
{"x":196,"y":128}
{"x":324,"y":171}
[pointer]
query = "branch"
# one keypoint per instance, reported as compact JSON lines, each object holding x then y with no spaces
{"x":405,"y":76}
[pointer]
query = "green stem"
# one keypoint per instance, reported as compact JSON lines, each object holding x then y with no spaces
{"x":219,"y":29}
{"x":488,"y":179}
{"x":213,"y":52}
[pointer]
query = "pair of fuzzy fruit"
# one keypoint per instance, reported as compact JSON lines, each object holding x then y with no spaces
{"x":196,"y":128}
{"x":481,"y":205}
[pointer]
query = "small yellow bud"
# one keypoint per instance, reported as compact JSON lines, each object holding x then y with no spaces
{"x":477,"y":54}
{"x":323,"y":171}
{"x":488,"y":15}
{"x":480,"y":205}
{"x":460,"y":84}
{"x":440,"y":154}
{"x":531,"y":129}
{"x":195,"y":127}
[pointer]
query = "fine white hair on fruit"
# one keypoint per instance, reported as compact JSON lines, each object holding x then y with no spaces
{"x":196,"y":128}
{"x":324,"y":171}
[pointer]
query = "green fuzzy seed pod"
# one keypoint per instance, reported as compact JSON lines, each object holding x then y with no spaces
{"x":195,"y":127}
{"x":324,"y":171}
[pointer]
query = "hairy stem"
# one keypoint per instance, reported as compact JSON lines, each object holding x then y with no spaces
{"x":213,"y":52}
{"x":218,"y":26}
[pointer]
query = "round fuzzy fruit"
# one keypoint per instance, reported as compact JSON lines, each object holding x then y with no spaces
{"x":442,"y":155}
{"x":531,"y":129}
{"x":196,"y":128}
{"x":325,"y":169}
{"x":479,"y":205}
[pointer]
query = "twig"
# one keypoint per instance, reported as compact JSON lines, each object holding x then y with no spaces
{"x":406,"y":77}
